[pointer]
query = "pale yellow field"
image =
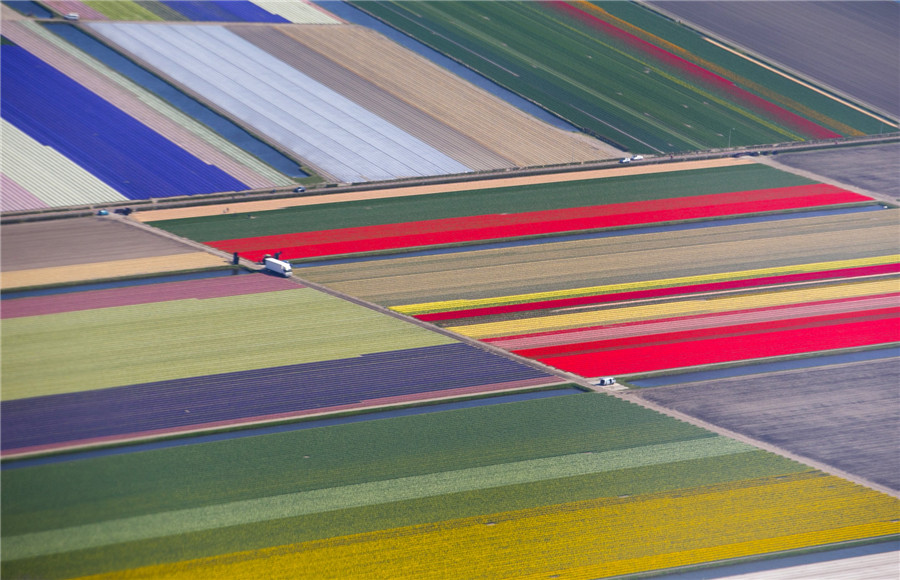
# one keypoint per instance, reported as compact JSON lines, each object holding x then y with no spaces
{"x":112,"y":269}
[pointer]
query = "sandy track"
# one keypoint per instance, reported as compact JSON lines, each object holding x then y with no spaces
{"x":250,"y":206}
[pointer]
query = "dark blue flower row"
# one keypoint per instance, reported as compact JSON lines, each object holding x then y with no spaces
{"x":119,"y":150}
{"x":223,"y":11}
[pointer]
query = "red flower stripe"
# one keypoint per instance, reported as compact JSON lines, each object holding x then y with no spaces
{"x":497,"y":226}
{"x":683,"y":336}
{"x":700,"y":74}
{"x":732,"y":348}
{"x":708,"y":320}
{"x":661,"y":292}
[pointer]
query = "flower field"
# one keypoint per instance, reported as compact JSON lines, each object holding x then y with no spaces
{"x":382,"y":498}
{"x":224,"y":342}
{"x":418,"y":400}
{"x":636,"y":78}
{"x":389,"y":225}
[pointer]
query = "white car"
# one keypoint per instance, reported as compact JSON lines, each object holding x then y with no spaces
{"x":637,"y":157}
{"x":625,"y":160}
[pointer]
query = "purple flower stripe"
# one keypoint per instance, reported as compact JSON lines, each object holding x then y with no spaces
{"x":70,"y":419}
{"x":129,"y":156}
{"x":132,"y":295}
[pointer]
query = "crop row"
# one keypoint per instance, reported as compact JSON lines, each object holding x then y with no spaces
{"x":200,"y":289}
{"x":494,"y":227}
{"x":727,"y":348}
{"x":105,"y":141}
{"x":637,"y":79}
{"x":585,"y":538}
{"x":137,"y":410}
{"x":657,"y":292}
{"x":583,"y":448}
{"x":728,"y":176}
{"x":179,"y":339}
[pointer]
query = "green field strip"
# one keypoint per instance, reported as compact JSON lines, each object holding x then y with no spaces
{"x":516,"y":199}
{"x":645,"y":18}
{"x":379,"y":492}
{"x":122,"y":10}
{"x":634,"y":481}
{"x":187,"y":338}
{"x":637,"y":106}
{"x":88,"y":491}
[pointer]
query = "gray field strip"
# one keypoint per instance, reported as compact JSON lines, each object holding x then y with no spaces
{"x":840,"y":417}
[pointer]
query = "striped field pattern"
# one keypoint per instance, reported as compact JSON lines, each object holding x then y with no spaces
{"x":386,"y":498}
{"x":237,"y":350}
{"x":248,"y":426}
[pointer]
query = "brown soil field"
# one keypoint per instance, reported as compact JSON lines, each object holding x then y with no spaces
{"x":843,"y":415}
{"x":273,"y":204}
{"x":83,"y":249}
{"x":870,"y":170}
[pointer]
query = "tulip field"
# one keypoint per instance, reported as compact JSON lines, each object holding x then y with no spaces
{"x":508,"y":346}
{"x":584,"y":485}
{"x":178,"y":357}
{"x":622,"y":71}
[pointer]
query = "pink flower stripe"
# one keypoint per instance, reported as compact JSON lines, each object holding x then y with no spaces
{"x":131,"y":295}
{"x":661,"y":292}
{"x":719,"y":349}
{"x":498,"y":226}
{"x":646,"y":327}
{"x":683,"y":336}
{"x":700,"y":74}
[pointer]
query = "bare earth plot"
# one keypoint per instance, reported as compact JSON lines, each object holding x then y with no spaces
{"x":872,"y":170}
{"x":843,"y":415}
{"x":82,"y":249}
{"x":850,"y":46}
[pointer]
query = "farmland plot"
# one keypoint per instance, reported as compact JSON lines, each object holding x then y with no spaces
{"x":304,"y":117}
{"x":114,"y":147}
{"x":463,"y":216}
{"x":840,"y":415}
{"x":83,"y":249}
{"x":203,"y":354}
{"x":538,"y":475}
{"x":638,"y":79}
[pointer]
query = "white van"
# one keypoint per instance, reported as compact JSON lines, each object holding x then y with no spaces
{"x":278,"y":267}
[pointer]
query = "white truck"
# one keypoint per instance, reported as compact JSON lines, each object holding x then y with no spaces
{"x":278,"y":267}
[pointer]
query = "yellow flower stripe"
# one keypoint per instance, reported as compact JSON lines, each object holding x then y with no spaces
{"x":715,"y":553}
{"x":582,"y":318}
{"x":463,"y":304}
{"x":591,"y":538}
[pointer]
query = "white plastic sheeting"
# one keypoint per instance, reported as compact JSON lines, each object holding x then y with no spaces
{"x":305,"y":117}
{"x":49,"y":175}
{"x":297,"y":11}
